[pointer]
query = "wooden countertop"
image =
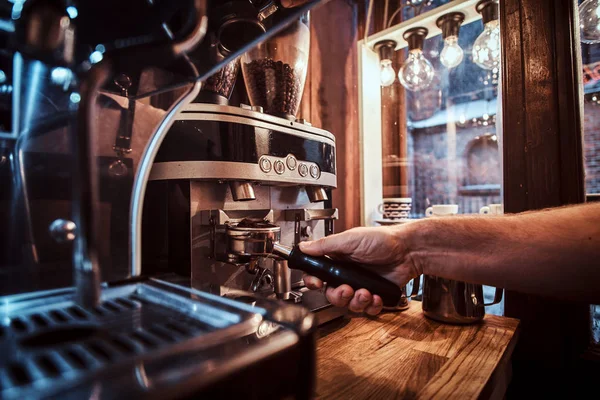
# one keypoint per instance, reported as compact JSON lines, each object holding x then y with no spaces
{"x":406,"y":355}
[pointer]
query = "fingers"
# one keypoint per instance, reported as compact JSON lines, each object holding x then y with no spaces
{"x":312,"y":282}
{"x":361,"y":300}
{"x":316,"y":248}
{"x":339,"y":296}
{"x":375,"y":307}
{"x":341,"y":243}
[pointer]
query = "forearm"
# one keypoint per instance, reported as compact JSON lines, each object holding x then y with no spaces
{"x":554,"y":252}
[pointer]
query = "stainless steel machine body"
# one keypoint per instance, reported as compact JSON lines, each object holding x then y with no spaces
{"x":209,"y":153}
{"x":152,"y":339}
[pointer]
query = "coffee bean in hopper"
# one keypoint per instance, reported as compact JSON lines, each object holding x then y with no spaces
{"x":274,"y":85}
{"x":222,"y":81}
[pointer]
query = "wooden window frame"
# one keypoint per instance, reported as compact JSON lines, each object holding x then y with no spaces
{"x":542,"y":111}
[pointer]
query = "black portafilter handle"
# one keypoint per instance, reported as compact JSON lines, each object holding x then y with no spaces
{"x":337,"y":273}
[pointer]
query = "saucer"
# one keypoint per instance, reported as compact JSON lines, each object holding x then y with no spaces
{"x":393,"y":221}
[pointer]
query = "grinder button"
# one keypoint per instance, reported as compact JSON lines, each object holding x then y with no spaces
{"x":315,"y":172}
{"x":265,"y":164}
{"x":279,"y":167}
{"x":302,"y":169}
{"x":291,"y":162}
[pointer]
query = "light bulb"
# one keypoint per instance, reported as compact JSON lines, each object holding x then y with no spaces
{"x":452,"y":54}
{"x":388,"y":75}
{"x":486,"y":49}
{"x":589,"y":21}
{"x":417,"y":71}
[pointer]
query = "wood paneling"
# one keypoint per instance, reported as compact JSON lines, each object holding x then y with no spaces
{"x":393,"y":116}
{"x":330,"y":99}
{"x":406,"y":355}
{"x":543,"y":164}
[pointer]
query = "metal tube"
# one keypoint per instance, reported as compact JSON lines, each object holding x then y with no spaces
{"x":316,"y":194}
{"x":283,"y":279}
{"x":141,"y":177}
{"x":85,"y":187}
{"x":197,"y":34}
{"x":242,"y":191}
{"x":281,"y":250}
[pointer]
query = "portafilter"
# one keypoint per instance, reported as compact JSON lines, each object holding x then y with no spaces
{"x":249,"y":239}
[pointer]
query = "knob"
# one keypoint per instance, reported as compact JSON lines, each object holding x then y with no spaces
{"x":306,"y":231}
{"x":279,"y":167}
{"x":291,"y":162}
{"x":265,"y":164}
{"x":302,"y":170}
{"x":315,"y":172}
{"x":63,"y":230}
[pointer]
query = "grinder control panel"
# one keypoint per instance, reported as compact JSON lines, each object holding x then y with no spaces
{"x":289,"y":165}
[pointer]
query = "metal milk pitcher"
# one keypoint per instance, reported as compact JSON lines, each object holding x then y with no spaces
{"x":454,"y":302}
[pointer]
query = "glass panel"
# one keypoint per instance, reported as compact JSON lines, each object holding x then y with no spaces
{"x":590,"y":54}
{"x":452,"y":143}
{"x":35,"y":166}
{"x":441,"y":144}
{"x":590,"y":57}
{"x":36,"y":169}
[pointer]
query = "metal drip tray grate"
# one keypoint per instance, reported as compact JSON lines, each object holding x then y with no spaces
{"x":49,"y":341}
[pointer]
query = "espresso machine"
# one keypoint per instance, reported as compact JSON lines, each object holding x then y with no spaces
{"x":227,"y":177}
{"x":95,"y":95}
{"x":232,"y":178}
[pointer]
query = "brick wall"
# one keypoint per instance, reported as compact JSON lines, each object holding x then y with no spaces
{"x":437,"y":176}
{"x":432,"y":181}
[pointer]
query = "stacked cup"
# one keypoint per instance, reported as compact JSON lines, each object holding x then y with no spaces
{"x":396,"y":208}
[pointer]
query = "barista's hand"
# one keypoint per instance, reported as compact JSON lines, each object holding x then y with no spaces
{"x":382,"y":249}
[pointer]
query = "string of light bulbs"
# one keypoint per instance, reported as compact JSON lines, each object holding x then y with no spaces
{"x":417,"y":73}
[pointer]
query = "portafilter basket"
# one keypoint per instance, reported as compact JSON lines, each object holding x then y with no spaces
{"x":251,"y":238}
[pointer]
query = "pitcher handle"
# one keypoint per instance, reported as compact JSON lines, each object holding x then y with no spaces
{"x":415,"y":289}
{"x":497,"y":298}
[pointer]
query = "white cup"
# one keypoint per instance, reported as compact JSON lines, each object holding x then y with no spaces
{"x":492,"y":209}
{"x":442,"y":210}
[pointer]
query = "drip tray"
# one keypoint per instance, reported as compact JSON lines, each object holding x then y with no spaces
{"x":47,"y":341}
